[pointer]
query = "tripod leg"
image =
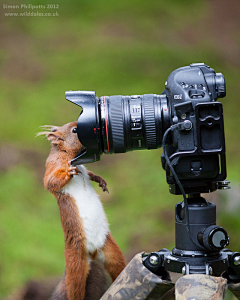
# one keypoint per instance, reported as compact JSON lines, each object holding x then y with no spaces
{"x":235,"y":289}
{"x":199,"y":286}
{"x":137,"y":282}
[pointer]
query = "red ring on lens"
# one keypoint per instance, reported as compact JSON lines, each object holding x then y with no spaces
{"x":105,"y":105}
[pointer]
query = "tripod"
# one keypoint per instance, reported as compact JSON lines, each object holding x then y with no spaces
{"x":208,"y":269}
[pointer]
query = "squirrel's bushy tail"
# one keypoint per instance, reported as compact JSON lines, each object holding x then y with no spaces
{"x":96,"y":285}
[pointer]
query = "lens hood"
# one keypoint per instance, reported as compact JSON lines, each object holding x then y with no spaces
{"x":87,"y":125}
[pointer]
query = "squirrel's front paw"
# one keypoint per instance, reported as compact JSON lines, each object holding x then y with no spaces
{"x":103,"y":184}
{"x":73,"y":170}
{"x":98,"y":179}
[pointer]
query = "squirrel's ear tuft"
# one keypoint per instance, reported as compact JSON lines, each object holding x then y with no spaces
{"x":54,"y":138}
{"x":51,"y":137}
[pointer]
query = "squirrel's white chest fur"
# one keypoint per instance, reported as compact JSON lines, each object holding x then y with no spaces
{"x":90,"y":209}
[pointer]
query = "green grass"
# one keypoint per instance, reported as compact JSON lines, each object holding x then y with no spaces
{"x":31,"y":238}
{"x":124,"y":47}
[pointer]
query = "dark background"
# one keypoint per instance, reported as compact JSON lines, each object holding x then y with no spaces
{"x":111,"y":47}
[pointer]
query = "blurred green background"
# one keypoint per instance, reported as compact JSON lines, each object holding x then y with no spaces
{"x":111,"y":47}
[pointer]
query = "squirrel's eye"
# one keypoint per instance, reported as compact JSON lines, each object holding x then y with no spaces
{"x":74,"y":130}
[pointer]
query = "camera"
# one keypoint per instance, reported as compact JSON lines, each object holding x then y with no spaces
{"x":188,"y":105}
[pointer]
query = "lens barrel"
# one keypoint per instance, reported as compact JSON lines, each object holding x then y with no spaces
{"x":132,"y":122}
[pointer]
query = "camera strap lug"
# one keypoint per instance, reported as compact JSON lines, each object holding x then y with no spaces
{"x":223,"y":185}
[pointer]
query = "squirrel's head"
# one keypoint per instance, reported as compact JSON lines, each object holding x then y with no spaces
{"x":63,"y":138}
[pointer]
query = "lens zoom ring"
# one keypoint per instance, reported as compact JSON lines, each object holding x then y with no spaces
{"x":116,"y":119}
{"x":149,"y":121}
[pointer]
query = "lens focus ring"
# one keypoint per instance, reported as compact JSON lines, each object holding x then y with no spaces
{"x":149,"y":121}
{"x":116,"y":119}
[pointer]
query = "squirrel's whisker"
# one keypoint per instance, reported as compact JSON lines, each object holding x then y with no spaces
{"x":42,"y":133}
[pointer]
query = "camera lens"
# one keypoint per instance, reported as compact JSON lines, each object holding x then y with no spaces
{"x":132,"y":122}
{"x":117,"y":124}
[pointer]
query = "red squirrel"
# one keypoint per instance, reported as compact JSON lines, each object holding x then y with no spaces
{"x":85,"y":226}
